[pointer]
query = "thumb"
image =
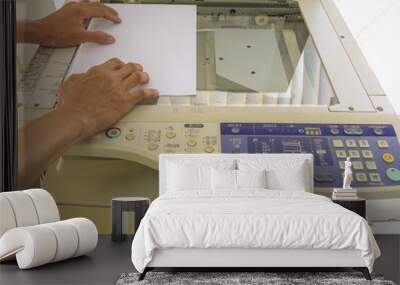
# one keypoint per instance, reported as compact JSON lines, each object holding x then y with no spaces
{"x":98,"y":37}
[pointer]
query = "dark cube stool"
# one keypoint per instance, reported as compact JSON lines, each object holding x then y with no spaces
{"x":138,"y":205}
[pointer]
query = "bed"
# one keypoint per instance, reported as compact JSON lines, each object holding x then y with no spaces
{"x":246,"y":211}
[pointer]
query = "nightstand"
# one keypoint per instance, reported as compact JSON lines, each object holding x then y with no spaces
{"x":138,"y":205}
{"x":357,"y":206}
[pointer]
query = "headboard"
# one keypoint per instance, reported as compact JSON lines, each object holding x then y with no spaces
{"x":164,"y":159}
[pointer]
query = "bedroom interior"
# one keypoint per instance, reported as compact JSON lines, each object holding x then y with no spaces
{"x":281,"y":166}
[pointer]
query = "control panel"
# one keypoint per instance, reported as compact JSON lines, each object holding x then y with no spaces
{"x":155,"y":138}
{"x":373,"y":149}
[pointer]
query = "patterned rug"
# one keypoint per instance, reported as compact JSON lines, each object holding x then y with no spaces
{"x":253,"y":278}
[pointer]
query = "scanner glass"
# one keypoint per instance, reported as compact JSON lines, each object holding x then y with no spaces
{"x":257,"y":53}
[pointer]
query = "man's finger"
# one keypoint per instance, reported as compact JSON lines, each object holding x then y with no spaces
{"x":99,"y":10}
{"x":110,"y":9}
{"x":74,"y":77}
{"x":98,"y":37}
{"x":113,"y":64}
{"x":135,"y":79}
{"x":128,"y":69}
{"x":143,"y":94}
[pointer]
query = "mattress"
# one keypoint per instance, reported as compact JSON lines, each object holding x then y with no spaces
{"x":251,"y":219}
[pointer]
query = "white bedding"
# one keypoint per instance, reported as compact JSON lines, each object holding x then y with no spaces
{"x":251,"y":218}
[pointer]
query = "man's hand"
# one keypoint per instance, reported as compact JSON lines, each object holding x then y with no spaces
{"x":88,"y":104}
{"x":102,"y":96}
{"x":66,"y":27}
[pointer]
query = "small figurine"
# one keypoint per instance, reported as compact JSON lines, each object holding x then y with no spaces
{"x":348,"y":174}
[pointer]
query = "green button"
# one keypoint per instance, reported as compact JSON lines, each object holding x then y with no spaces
{"x":393,"y":174}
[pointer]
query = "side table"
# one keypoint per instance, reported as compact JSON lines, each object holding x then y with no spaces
{"x":358,"y":206}
{"x":138,"y":205}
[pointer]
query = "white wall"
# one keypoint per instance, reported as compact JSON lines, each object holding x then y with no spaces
{"x":376,"y":26}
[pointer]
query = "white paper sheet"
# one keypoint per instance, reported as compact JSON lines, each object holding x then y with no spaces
{"x":160,"y":37}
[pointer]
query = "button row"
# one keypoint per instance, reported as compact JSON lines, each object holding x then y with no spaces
{"x":358,"y":165}
{"x":350,"y":143}
{"x":373,"y":177}
{"x":387,"y":157}
{"x":359,"y":143}
{"x":154,"y":146}
{"x":366,"y":177}
{"x":355,"y":131}
{"x":392,"y":173}
{"x":354,"y":154}
{"x":113,"y":133}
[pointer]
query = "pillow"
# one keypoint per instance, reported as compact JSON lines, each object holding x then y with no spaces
{"x":181,"y":177}
{"x":251,"y":178}
{"x":193,"y":173}
{"x":283,"y":174}
{"x":288,"y":176}
{"x":223,"y":179}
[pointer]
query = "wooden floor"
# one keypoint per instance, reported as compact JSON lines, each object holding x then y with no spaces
{"x":110,"y":260}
